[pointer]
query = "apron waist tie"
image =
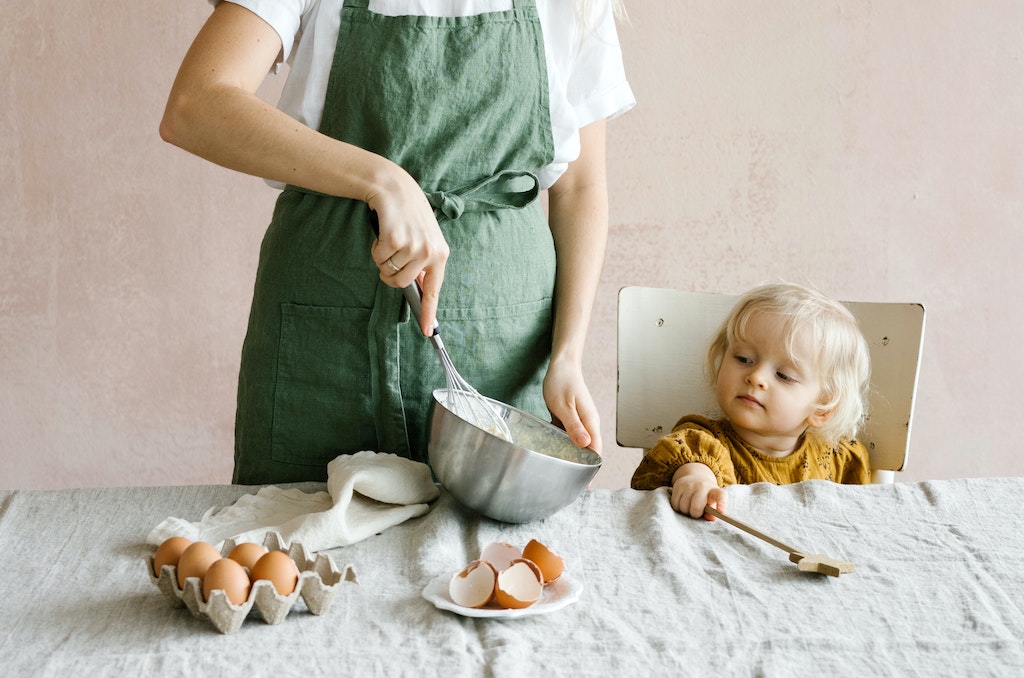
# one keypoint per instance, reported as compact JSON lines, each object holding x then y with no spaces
{"x":508,"y":189}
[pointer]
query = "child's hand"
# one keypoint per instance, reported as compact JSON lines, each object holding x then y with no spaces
{"x":694,"y":486}
{"x":716,"y":499}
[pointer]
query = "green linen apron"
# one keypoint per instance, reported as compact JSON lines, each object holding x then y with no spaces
{"x":333,"y":362}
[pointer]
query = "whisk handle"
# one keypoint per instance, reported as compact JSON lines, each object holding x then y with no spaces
{"x":413,"y":293}
{"x":414,"y":296}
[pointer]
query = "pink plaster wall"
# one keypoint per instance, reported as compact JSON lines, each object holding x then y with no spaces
{"x":873,"y":149}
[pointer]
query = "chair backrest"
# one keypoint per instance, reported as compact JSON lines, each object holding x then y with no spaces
{"x":663,"y":336}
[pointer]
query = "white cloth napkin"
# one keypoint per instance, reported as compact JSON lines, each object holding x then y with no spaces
{"x":367,"y":492}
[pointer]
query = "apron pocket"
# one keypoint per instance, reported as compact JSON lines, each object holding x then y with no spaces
{"x":322,"y":396}
{"x":502,"y":351}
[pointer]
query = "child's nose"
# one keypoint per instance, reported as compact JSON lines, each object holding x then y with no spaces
{"x":757,"y":378}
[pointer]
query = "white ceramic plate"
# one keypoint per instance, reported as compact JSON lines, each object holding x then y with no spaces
{"x":563,"y":591}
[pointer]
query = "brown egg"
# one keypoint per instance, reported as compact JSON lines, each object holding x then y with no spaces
{"x":195,"y":561}
{"x":551,"y":564}
{"x":247,"y":553}
{"x":228,"y":576}
{"x":277,"y":568}
{"x":474,"y":586}
{"x":519,"y":586}
{"x":168,"y":553}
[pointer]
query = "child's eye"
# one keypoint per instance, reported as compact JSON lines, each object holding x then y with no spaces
{"x":742,"y":359}
{"x":785,"y":377}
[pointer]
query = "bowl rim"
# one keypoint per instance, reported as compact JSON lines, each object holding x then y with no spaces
{"x":598,"y":460}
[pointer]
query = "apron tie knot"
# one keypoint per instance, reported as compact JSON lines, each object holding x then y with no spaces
{"x":449,"y":204}
{"x":508,"y":189}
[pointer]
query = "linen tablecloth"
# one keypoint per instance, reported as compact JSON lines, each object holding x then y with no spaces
{"x":937,"y":590}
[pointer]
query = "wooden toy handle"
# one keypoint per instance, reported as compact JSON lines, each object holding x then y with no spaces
{"x":794,"y":554}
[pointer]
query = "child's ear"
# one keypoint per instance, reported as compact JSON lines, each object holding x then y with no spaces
{"x":820,"y":417}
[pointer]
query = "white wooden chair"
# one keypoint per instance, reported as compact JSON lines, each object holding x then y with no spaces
{"x":663,"y":336}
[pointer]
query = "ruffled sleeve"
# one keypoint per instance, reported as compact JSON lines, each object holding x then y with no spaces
{"x":694,"y":439}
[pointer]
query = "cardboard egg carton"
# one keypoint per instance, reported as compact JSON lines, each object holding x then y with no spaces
{"x":319,"y":580}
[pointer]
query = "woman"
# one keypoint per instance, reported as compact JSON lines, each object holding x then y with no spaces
{"x":441,"y":131}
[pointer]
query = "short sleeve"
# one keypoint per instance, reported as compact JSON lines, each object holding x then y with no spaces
{"x":284,"y":16}
{"x":587,"y":78}
{"x":597,"y":87}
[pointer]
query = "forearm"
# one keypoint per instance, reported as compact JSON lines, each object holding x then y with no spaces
{"x":578,"y":215}
{"x":213,"y":112}
{"x":237,"y":130}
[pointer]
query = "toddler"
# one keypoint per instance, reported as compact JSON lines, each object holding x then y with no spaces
{"x":790,"y":369}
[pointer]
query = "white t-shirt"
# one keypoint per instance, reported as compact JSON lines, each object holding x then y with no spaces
{"x":586,"y":79}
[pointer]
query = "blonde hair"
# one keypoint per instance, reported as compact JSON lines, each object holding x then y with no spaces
{"x":842,"y":358}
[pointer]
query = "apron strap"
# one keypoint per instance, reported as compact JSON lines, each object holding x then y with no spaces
{"x":365,"y":4}
{"x":508,"y":189}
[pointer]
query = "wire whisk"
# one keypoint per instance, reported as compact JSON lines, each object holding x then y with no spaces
{"x":461,"y":398}
{"x":465,"y":401}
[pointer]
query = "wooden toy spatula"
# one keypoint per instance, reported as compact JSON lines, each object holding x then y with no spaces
{"x":805,"y":563}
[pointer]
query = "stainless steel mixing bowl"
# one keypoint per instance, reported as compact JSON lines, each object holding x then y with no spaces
{"x":537,"y":474}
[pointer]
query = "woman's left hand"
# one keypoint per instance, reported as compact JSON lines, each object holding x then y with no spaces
{"x":571,"y":405}
{"x":578,"y":217}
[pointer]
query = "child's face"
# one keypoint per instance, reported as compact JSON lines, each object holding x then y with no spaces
{"x":769,"y":397}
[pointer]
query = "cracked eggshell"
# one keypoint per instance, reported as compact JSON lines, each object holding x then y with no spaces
{"x":550,"y":563}
{"x":519,"y":585}
{"x":500,"y":554}
{"x":474,"y":586}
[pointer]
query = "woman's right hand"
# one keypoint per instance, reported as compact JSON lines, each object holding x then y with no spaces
{"x":694,"y":487}
{"x":410,"y":245}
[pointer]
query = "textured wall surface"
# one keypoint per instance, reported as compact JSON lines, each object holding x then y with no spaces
{"x":872,"y":149}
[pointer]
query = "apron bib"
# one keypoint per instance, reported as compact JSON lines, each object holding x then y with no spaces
{"x":333,"y":362}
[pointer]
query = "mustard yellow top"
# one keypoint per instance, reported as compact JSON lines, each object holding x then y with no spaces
{"x":715,"y":444}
